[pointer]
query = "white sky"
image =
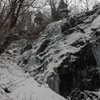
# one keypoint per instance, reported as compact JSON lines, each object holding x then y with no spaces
{"x":82,"y":3}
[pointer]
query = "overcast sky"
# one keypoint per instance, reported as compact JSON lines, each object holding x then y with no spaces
{"x":80,"y":4}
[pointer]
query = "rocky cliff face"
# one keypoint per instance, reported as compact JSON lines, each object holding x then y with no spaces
{"x":67,"y":56}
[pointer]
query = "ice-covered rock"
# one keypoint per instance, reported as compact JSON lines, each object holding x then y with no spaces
{"x":66,"y":52}
{"x":65,"y":56}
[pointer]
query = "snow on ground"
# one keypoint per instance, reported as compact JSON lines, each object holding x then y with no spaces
{"x":15,"y":84}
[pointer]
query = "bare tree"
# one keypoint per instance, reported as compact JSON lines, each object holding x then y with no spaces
{"x":10,"y":13}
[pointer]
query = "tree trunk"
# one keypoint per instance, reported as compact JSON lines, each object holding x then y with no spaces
{"x":8,"y":25}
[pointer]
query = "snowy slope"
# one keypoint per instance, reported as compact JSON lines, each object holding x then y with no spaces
{"x":15,"y":84}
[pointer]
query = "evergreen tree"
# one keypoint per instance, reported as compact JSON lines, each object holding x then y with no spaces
{"x":54,"y":12}
{"x":39,"y":18}
{"x":63,"y":9}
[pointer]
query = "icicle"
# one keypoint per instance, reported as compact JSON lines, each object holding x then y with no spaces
{"x":53,"y":81}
